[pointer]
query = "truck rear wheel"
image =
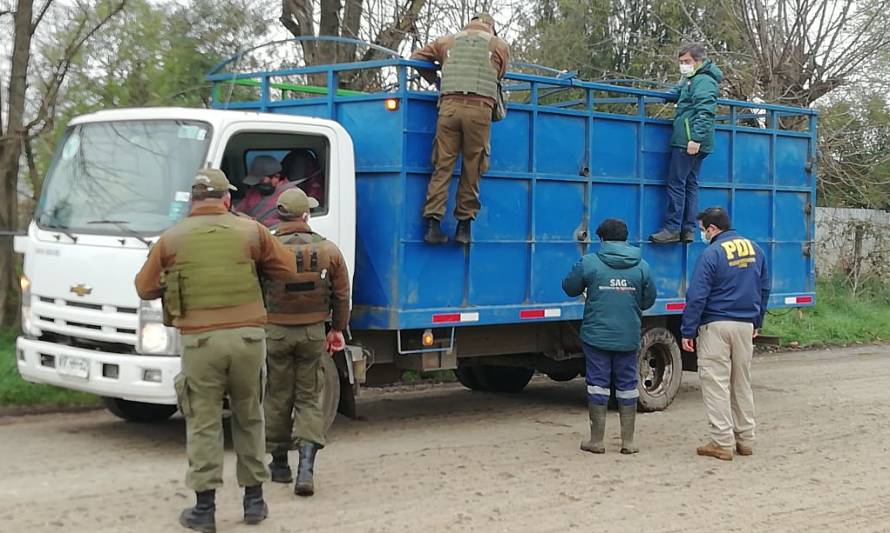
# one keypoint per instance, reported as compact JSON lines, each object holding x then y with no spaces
{"x":138,"y":411}
{"x":330,"y":396}
{"x":660,"y":369}
{"x":466,"y":375}
{"x":563,"y":375}
{"x":511,"y":379}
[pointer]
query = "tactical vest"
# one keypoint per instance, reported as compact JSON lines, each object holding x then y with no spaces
{"x":468,"y":68}
{"x":310,"y":290}
{"x":213,"y":268}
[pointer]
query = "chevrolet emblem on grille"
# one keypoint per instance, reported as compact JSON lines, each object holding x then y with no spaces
{"x":81,"y":290}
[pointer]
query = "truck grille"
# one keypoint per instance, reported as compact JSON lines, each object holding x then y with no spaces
{"x":93,"y":321}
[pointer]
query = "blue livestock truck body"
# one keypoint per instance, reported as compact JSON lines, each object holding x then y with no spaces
{"x":569,"y":154}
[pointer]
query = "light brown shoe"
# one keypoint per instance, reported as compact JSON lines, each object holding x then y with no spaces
{"x":713,"y":450}
{"x":744,"y":449}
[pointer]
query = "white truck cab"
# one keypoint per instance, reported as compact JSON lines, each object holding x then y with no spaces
{"x":118,"y":179}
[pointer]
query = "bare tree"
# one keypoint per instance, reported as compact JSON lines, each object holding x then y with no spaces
{"x":17,"y":131}
{"x":299,"y":17}
{"x":803,"y":50}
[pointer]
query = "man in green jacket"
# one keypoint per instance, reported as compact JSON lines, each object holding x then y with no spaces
{"x":619,"y":288}
{"x":691,"y":142}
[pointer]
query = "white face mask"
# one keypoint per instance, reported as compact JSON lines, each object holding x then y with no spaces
{"x":704,"y":237}
{"x":686,"y":70}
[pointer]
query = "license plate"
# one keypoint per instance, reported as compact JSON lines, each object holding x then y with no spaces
{"x":74,"y":366}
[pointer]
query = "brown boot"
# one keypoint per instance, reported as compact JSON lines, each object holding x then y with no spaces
{"x":744,"y":449}
{"x":713,"y":450}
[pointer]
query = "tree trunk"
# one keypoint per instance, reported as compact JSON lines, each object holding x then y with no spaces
{"x":296,"y":16}
{"x":352,"y":18}
{"x":10,"y":153}
{"x":329,"y":24}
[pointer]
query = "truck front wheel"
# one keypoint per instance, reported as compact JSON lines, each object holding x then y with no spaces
{"x":660,"y":369}
{"x":138,"y":411}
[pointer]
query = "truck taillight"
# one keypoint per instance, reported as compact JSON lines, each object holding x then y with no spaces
{"x":154,"y":338}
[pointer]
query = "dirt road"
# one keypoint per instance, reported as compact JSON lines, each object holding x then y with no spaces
{"x":446,"y":459}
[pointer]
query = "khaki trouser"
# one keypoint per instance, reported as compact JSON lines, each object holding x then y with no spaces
{"x":215,"y":363}
{"x":462,"y":128}
{"x":724,"y":350}
{"x":294,"y":387}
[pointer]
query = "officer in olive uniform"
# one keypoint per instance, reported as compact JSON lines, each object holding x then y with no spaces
{"x":298,"y":308}
{"x":206,"y":270}
{"x":473,"y":61}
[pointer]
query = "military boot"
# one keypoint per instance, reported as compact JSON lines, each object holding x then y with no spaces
{"x":434,"y":233}
{"x":462,"y":234}
{"x":255,"y":508}
{"x":305,"y":485}
{"x":627,"y":414}
{"x":280,"y":470}
{"x":597,"y":429}
{"x":201,"y":517}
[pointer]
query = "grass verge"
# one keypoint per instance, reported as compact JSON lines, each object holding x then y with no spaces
{"x":15,"y":392}
{"x":838,"y":318}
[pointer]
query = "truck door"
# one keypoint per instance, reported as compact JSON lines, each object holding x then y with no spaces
{"x":310,"y":158}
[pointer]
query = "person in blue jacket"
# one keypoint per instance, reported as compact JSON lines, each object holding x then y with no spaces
{"x":619,"y":288}
{"x":725,"y":305}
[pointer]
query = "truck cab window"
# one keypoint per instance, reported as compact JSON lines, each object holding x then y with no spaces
{"x":285,"y":161}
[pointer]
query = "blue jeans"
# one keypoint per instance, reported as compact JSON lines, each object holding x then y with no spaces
{"x":682,"y":190}
{"x":606,"y":369}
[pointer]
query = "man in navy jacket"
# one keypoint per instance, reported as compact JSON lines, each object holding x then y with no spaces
{"x":725,"y":304}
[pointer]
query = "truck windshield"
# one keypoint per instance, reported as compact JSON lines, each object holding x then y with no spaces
{"x":122,"y":177}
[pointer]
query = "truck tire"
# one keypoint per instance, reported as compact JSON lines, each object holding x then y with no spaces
{"x":138,"y":411}
{"x":330,"y":395}
{"x":509,"y":379}
{"x":466,"y":375}
{"x":660,"y":370}
{"x":563,"y":375}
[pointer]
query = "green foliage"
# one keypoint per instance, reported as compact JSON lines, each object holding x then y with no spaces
{"x":151,"y":54}
{"x":638,"y":39}
{"x":158,"y":54}
{"x":838,"y":317}
{"x":14,"y":391}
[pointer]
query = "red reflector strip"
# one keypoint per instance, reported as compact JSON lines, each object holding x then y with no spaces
{"x":532,"y":314}
{"x":676,"y":306}
{"x":451,"y":318}
{"x":441,"y":319}
{"x":804,"y":299}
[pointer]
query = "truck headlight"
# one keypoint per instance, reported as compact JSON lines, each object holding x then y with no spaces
{"x":154,"y":337}
{"x":25,"y":284}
